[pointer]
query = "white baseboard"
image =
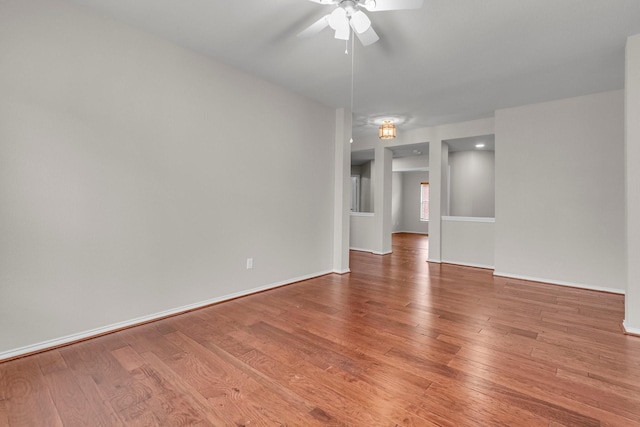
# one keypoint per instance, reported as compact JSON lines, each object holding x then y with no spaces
{"x":630,"y":330}
{"x":342,"y":271}
{"x":81,"y":336}
{"x":370,"y":251}
{"x":436,"y":260}
{"x":381,"y":253}
{"x":468,"y":264}
{"x":360,"y":249}
{"x":561,"y":283}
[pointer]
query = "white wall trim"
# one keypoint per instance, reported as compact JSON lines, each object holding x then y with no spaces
{"x":401,"y":169}
{"x":434,"y":260}
{"x":629,"y":330}
{"x":348,"y":270}
{"x":411,"y":232}
{"x":81,"y":336}
{"x":467,"y":264}
{"x":468,"y":219}
{"x":361,"y":214}
{"x":561,"y":283}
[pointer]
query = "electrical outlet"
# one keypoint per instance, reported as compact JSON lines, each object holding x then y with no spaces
{"x":249,"y":263}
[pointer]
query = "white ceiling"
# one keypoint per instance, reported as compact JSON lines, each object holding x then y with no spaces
{"x":422,"y":149}
{"x":410,"y":150}
{"x":468,"y":144}
{"x":452,"y":60}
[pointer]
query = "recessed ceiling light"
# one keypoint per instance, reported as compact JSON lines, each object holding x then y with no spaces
{"x":480,"y":145}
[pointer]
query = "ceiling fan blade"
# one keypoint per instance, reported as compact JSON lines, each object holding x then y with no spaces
{"x":382,"y":5}
{"x":368,"y":37}
{"x":315,"y":28}
{"x":360,"y":22}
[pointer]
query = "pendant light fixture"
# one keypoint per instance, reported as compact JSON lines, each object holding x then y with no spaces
{"x":387,"y":130}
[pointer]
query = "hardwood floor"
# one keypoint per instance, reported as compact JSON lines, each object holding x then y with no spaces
{"x":398,"y":341}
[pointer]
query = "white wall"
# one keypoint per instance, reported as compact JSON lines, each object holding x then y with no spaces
{"x":382,"y":199}
{"x":560,"y":191}
{"x":131,"y":183}
{"x":366,"y":186}
{"x":341,"y":190}
{"x":632,"y":191}
{"x":396,"y":201}
{"x":472,"y":183}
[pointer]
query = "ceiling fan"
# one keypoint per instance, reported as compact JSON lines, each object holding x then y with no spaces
{"x":348,"y":15}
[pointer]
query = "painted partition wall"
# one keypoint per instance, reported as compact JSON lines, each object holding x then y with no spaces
{"x":560,"y":192}
{"x":131,"y":183}
{"x":468,"y":241}
{"x":362,"y":232}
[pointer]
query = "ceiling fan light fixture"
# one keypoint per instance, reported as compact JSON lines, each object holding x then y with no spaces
{"x":337,"y":17}
{"x":360,"y":22}
{"x":343,"y":33}
{"x":387,"y":130}
{"x":339,"y":21}
{"x":369,"y":4}
{"x":368,"y":37}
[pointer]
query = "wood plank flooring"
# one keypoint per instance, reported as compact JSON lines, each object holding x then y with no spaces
{"x":397,"y":342}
